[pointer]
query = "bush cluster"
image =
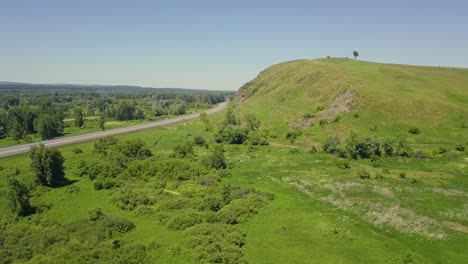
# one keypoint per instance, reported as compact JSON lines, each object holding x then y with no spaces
{"x":366,"y":147}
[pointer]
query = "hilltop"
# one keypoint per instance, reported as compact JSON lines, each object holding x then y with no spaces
{"x":333,"y":96}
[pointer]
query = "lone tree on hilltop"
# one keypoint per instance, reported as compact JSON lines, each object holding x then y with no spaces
{"x":47,"y":165}
{"x":355,"y":54}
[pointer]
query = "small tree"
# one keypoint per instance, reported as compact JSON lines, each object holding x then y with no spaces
{"x":79,"y":117}
{"x":355,"y":54}
{"x":49,"y":125}
{"x":102,"y":121}
{"x":18,"y":197}
{"x":216,"y":159}
{"x":252,"y":122}
{"x":47,"y":165}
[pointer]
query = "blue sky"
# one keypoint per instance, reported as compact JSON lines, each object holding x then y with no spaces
{"x":217,"y":44}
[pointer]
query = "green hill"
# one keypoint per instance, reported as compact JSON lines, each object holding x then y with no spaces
{"x":387,"y":99}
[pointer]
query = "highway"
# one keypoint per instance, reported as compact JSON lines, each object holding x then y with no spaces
{"x":59,"y":142}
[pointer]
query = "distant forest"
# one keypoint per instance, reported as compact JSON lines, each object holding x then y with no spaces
{"x":36,"y":109}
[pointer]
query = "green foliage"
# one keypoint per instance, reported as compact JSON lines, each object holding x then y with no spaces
{"x":232,"y":134}
{"x":18,"y":197}
{"x":130,"y":199}
{"x":103,"y":144}
{"x":331,"y":144}
{"x":47,"y":165}
{"x":441,"y":150}
{"x":252,"y":122}
{"x":216,"y":158}
{"x":135,"y":149}
{"x":200,"y":141}
{"x":355,"y":54}
{"x":185,"y":220}
{"x":183,"y":150}
{"x":216,"y":243}
{"x":406,"y":258}
{"x":257,"y":139}
{"x":206,"y":122}
{"x":313,"y":150}
{"x":77,"y":151}
{"x":342,"y":163}
{"x":78,"y":116}
{"x":50,"y":125}
{"x":363,"y":173}
{"x":292,"y":135}
{"x":363,"y":148}
{"x":414,"y":130}
{"x":460,"y":147}
{"x":102,"y":122}
{"x":231,"y":118}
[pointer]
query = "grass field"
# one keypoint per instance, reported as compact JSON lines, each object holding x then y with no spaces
{"x":408,"y":209}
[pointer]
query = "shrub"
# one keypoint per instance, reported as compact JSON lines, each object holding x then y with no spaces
{"x":337,"y":119}
{"x":442,"y":150}
{"x":95,"y":214}
{"x":183,"y":150}
{"x":460,"y":147}
{"x":363,"y":173}
{"x":402,"y":148}
{"x":403,"y":175}
{"x":135,"y":149}
{"x":356,"y":115}
{"x":18,"y":197}
{"x":232,"y":135}
{"x":292,"y":135}
{"x":375,"y":161}
{"x":323,"y":122}
{"x":414,"y":130}
{"x":388,"y":148}
{"x":200,"y":141}
{"x":257,"y":140}
{"x":103,"y":144}
{"x":363,"y":148}
{"x":77,"y":151}
{"x":216,"y":159}
{"x":252,"y":122}
{"x":216,"y":243}
{"x":342,"y":163}
{"x":184,"y":221}
{"x":313,"y":150}
{"x":72,"y":189}
{"x":331,"y":144}
{"x":129,"y":199}
{"x":47,"y":165}
{"x":373,"y":128}
{"x":420,"y":155}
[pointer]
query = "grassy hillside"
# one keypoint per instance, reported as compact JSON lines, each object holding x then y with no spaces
{"x":387,"y":99}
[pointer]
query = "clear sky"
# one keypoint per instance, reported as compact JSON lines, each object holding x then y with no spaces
{"x":217,"y":44}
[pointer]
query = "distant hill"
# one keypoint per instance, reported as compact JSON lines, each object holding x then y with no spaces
{"x":29,"y":86}
{"x":335,"y":96}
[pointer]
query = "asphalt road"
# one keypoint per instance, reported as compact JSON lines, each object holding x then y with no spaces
{"x":15,"y":150}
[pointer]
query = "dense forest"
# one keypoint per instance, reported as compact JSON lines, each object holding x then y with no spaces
{"x":42,"y":110}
